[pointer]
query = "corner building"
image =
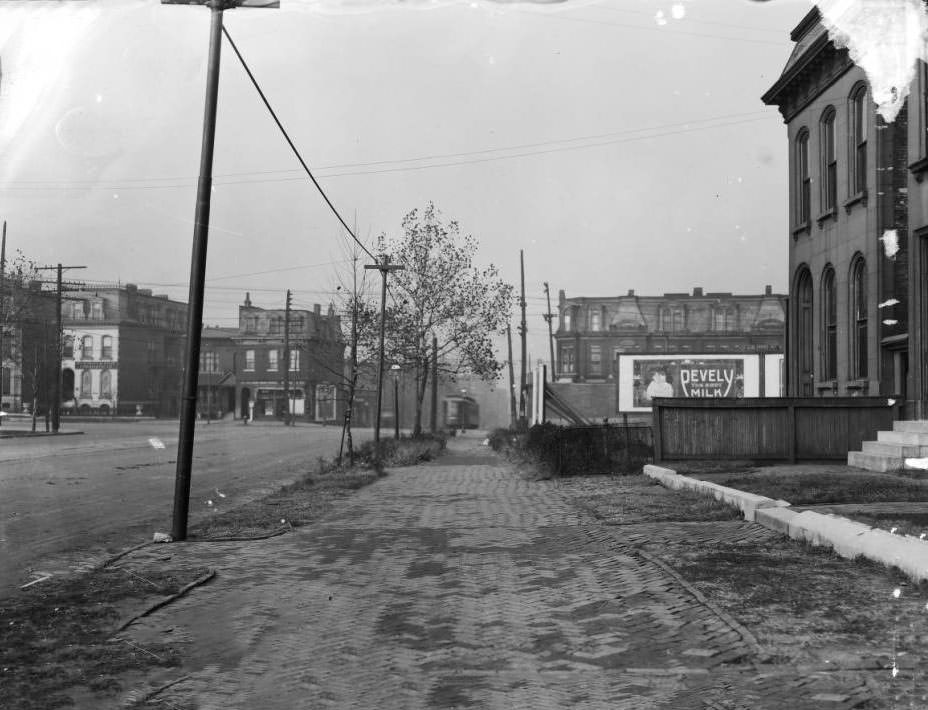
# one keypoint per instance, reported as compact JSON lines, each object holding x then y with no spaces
{"x":857,"y":228}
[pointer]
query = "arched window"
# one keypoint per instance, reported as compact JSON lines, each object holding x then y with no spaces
{"x":107,"y":348}
{"x":106,"y":384}
{"x":829,"y":160}
{"x":859,"y":113}
{"x":803,"y":319}
{"x":87,"y":347}
{"x":829,"y":326}
{"x":858,"y":318}
{"x":86,"y":381}
{"x":803,"y":181}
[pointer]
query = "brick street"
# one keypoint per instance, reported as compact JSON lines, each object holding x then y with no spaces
{"x":464,"y":584}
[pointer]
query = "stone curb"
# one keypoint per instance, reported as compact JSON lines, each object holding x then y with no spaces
{"x":846,"y":537}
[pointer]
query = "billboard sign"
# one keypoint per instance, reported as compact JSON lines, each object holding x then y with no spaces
{"x":644,"y":377}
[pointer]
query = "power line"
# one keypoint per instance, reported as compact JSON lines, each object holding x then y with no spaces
{"x":558,"y":143}
{"x":292,"y":146}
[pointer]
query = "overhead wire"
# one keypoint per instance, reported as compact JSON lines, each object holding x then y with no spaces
{"x":293,"y":147}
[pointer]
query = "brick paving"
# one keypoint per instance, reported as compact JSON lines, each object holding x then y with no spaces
{"x":462,"y":584}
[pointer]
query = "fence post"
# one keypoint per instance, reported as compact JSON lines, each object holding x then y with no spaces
{"x":791,"y":419}
{"x":628,"y":454}
{"x":656,"y":432}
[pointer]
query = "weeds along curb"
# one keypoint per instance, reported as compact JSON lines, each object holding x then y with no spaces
{"x":847,"y":538}
{"x":199,"y":581}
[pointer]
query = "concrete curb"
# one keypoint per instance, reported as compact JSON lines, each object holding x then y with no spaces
{"x":846,"y":537}
{"x":748,"y":503}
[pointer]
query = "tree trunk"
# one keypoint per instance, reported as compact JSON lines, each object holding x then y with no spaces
{"x":422,"y":376}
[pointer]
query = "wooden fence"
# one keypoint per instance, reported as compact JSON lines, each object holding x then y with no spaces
{"x":768,"y":428}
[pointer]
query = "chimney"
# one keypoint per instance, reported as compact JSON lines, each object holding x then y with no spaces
{"x":317,"y":309}
{"x":247,"y":299}
{"x":631,"y":292}
{"x":768,"y":290}
{"x":561,"y":297}
{"x":697,"y":291}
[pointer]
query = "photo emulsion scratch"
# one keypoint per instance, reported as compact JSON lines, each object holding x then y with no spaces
{"x":501,"y":354}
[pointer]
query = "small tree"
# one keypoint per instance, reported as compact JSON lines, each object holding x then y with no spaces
{"x":441,"y":294}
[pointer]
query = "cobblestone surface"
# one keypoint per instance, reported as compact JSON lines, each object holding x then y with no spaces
{"x":463,"y":585}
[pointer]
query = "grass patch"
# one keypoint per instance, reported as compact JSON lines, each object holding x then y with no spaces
{"x":828,"y":487}
{"x":56,"y":635}
{"x":901,"y":523}
{"x":292,"y":506}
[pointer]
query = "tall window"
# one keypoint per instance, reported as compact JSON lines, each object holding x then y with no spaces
{"x":249,"y":359}
{"x":86,"y":381}
{"x":803,"y":179}
{"x":829,"y":161}
{"x":567,"y":360}
{"x":859,"y":111}
{"x":829,"y":326}
{"x":67,"y":346}
{"x":87,"y":347}
{"x":294,"y":360}
{"x":272,"y":359}
{"x":859,"y":319}
{"x":567,"y":319}
{"x":805,"y":375}
{"x":596,"y":360}
{"x":209,"y":361}
{"x":596,"y":320}
{"x":96,"y":310}
{"x":107,"y":351}
{"x":106,"y":384}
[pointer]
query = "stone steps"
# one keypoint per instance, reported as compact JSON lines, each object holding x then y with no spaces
{"x":908,"y":439}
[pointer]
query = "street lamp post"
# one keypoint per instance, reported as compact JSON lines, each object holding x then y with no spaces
{"x":396,"y":400}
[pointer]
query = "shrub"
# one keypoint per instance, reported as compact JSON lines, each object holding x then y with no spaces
{"x":405,"y":451}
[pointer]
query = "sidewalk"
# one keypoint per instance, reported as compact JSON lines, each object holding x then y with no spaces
{"x":461,"y":584}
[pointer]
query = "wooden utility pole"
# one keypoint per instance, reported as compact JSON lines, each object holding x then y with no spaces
{"x":352,"y":383}
{"x":56,"y":394}
{"x":385,"y":267}
{"x":434,"y":416}
{"x":549,"y":317}
{"x":287,"y":357}
{"x":512,"y":379}
{"x":2,"y":311}
{"x":522,"y":331}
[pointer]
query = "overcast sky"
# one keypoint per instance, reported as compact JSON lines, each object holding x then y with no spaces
{"x":622,"y":144}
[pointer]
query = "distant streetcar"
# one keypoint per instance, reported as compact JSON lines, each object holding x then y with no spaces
{"x":460,"y":412}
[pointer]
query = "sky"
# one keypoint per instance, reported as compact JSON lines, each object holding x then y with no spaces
{"x":620,"y":144}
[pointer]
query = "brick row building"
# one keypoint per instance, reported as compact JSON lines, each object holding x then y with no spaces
{"x":858,"y":228}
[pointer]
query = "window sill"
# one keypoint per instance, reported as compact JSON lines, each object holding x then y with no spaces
{"x":825,"y":216}
{"x":856,"y":386}
{"x":800,"y":228}
{"x":827,"y":386}
{"x":860,"y":197}
{"x":919,"y":168}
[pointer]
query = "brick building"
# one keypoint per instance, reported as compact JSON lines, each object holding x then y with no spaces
{"x":27,"y":355}
{"x":595,"y":335}
{"x":122,"y":351}
{"x":858,"y":228}
{"x":245,"y":367}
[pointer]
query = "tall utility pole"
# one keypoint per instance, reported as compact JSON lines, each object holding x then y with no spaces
{"x":512,"y":380}
{"x":287,"y":357}
{"x":549,"y":317}
{"x":385,"y":267}
{"x":434,"y":417}
{"x":522,"y":331}
{"x":188,"y":411}
{"x":2,"y":311}
{"x":56,"y":394}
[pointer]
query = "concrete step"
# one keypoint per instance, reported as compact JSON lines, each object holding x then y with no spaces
{"x":910,"y":438}
{"x":890,"y":449}
{"x":912,"y":426}
{"x":874,"y":462}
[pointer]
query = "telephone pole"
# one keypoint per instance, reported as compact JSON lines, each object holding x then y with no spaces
{"x":56,"y":395}
{"x":2,"y":312}
{"x":385,"y":267}
{"x":522,"y":331}
{"x":549,"y":317}
{"x":287,"y":358}
{"x":512,"y":379}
